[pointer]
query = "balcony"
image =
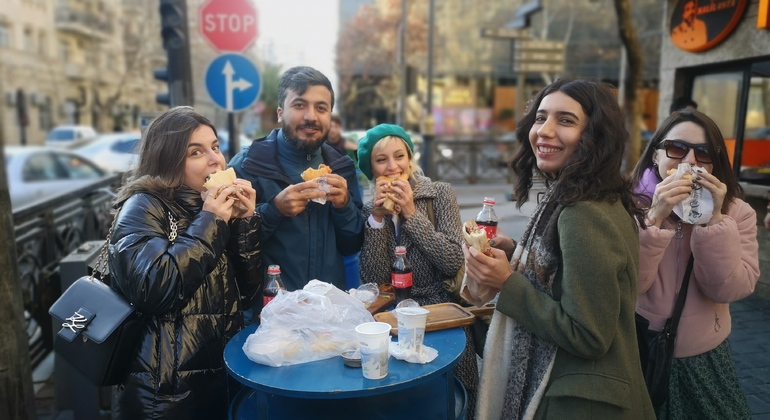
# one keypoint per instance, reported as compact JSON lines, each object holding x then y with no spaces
{"x":83,"y":23}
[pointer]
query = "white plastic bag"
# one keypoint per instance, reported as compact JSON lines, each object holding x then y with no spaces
{"x":315,"y":323}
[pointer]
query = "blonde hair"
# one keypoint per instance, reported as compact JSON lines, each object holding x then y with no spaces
{"x":413,"y":167}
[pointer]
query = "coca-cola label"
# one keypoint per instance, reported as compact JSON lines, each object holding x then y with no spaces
{"x":401,"y":280}
{"x":266,"y":300}
{"x":491,"y":230}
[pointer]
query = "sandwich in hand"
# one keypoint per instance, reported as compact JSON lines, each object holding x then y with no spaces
{"x":476,"y":237}
{"x":226,"y":178}
{"x":311,"y":173}
{"x":471,"y":290}
{"x":320,"y":176}
{"x":389,"y":204}
{"x":685,"y":175}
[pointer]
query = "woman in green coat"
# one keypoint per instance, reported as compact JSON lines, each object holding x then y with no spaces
{"x":563,"y":336}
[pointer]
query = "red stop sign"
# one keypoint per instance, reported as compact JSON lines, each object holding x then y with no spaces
{"x":229,"y":25}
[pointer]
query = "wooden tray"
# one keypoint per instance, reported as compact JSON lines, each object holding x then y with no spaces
{"x":384,"y":300}
{"x":442,"y":316}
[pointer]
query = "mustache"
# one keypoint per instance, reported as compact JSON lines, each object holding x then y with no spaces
{"x":309,"y":125}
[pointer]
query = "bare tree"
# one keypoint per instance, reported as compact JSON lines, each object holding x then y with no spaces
{"x":631,"y":106}
{"x":17,"y":397}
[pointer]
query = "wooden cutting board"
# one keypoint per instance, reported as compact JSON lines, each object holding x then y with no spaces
{"x":442,"y":316}
{"x":384,"y":300}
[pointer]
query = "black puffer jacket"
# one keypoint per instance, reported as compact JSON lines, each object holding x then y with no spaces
{"x":188,"y":293}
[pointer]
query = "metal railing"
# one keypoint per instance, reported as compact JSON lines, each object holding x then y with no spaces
{"x":45,"y":233}
{"x":473,"y":160}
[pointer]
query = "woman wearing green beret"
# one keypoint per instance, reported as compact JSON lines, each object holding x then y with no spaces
{"x":410,"y":210}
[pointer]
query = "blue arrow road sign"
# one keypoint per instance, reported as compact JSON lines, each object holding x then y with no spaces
{"x":233,"y":82}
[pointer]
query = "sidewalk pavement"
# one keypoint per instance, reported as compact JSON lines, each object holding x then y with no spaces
{"x":749,"y":340}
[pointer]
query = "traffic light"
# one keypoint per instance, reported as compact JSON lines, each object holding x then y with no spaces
{"x":176,"y":42}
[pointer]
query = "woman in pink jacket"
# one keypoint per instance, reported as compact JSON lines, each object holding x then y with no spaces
{"x":703,"y":383}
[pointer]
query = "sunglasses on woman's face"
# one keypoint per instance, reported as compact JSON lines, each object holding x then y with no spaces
{"x":678,"y":149}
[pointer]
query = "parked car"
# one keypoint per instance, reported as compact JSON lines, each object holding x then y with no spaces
{"x":69,"y":136}
{"x":37,"y":173}
{"x":114,"y":152}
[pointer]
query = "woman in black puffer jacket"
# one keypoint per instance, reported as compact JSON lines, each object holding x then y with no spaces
{"x":189,"y":262}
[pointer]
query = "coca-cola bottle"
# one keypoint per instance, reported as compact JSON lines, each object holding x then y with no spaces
{"x":401,"y":276}
{"x":487,"y":219}
{"x":273,"y":285}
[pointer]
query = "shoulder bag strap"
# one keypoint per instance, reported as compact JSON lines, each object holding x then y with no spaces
{"x":429,"y":210}
{"x":682,"y":295}
{"x":101,"y":262}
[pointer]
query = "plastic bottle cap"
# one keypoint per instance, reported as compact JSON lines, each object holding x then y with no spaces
{"x":489,"y":200}
{"x":273,"y":269}
{"x":400,"y":250}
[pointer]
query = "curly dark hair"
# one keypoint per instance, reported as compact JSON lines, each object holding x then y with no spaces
{"x":593,"y":172}
{"x":721,"y":167}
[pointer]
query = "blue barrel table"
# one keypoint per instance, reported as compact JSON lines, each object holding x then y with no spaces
{"x":327,"y":389}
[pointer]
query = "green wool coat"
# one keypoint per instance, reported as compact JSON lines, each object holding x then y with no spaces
{"x":596,"y":373}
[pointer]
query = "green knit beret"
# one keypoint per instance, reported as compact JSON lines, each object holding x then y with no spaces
{"x":373,"y":135}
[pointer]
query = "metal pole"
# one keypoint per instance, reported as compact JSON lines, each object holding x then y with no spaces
{"x":232,"y":135}
{"x":427,"y":158}
{"x":401,"y":117}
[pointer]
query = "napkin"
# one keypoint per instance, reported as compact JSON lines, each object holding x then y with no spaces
{"x":428,"y":354}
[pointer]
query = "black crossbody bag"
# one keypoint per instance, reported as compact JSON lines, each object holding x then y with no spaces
{"x":656,"y":348}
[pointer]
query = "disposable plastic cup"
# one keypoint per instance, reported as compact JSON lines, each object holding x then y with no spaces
{"x":411,"y":329}
{"x":373,"y":340}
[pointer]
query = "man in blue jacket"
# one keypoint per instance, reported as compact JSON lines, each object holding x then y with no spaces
{"x":307,"y":239}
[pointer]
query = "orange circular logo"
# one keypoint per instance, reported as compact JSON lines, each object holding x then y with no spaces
{"x":697,"y":27}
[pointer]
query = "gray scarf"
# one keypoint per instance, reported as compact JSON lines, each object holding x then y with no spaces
{"x":522,"y":360}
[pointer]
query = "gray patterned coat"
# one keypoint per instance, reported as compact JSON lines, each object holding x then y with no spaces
{"x":435,"y":254}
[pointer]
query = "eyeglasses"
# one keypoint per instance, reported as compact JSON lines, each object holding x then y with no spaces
{"x":678,"y":149}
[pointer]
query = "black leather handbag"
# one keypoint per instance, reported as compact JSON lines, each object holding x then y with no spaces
{"x":99,"y":330}
{"x":656,"y":348}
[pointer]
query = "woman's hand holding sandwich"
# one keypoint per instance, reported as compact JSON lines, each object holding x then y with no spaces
{"x":399,"y":192}
{"x":491,"y":271}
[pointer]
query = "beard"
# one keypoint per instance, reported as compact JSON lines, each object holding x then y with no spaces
{"x":307,"y":146}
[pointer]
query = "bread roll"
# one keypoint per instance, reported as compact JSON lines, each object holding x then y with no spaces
{"x":311,"y":173}
{"x":227,"y":178}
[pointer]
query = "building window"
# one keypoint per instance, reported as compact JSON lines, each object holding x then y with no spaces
{"x":64,"y":51}
{"x":41,"y":44}
{"x":29,"y":40}
{"x":717,"y":96}
{"x":5,"y":35}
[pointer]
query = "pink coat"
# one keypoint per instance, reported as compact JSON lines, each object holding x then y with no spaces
{"x":726,"y":269}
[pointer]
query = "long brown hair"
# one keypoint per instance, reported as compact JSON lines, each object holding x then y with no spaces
{"x":162,"y":153}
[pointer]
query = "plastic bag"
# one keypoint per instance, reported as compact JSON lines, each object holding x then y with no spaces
{"x":315,"y":323}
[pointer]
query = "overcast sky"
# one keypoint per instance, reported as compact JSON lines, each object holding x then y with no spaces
{"x":299,"y":32}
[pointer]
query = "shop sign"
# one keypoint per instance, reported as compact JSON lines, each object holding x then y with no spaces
{"x":697,"y":25}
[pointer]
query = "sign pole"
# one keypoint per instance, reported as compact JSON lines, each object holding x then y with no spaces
{"x":232,"y":135}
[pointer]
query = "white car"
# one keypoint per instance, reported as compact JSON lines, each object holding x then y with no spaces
{"x":114,"y":152}
{"x":69,"y":136}
{"x":36,"y":174}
